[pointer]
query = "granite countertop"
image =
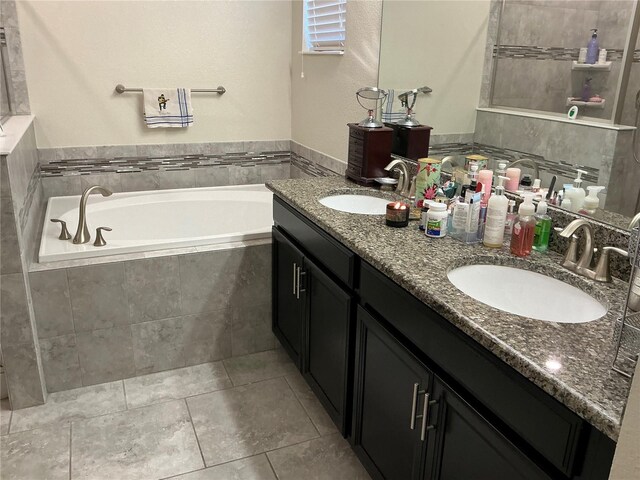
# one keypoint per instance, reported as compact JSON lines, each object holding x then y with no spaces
{"x":571,"y":362}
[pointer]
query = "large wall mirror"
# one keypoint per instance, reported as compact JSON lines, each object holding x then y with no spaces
{"x":504,"y":74}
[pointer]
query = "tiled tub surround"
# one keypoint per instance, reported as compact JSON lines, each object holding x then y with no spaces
{"x":585,"y":383}
{"x":109,"y":321}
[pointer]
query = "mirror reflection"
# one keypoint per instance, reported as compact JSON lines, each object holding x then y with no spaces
{"x":505,"y":76}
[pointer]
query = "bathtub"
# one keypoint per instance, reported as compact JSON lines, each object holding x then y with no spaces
{"x":156,"y":220}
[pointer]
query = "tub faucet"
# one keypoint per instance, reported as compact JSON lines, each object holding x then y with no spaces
{"x":82,"y":233}
{"x":531,"y":162}
{"x":405,"y":182}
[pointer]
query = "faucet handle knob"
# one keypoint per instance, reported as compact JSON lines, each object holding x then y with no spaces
{"x":100,"y":241}
{"x":602,"y":272}
{"x":64,"y":233}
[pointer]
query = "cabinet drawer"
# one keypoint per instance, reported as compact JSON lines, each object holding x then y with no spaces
{"x":318,"y":245}
{"x":538,"y":419}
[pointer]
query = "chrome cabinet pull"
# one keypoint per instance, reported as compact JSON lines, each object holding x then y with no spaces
{"x":294,"y":277}
{"x":414,"y":405}
{"x":425,"y":416}
{"x":298,"y":274}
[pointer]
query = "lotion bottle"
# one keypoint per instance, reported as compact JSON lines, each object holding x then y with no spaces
{"x":496,"y":217}
{"x":577,"y":194}
{"x":524,"y":228}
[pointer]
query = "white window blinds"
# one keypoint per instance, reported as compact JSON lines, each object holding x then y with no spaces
{"x":324,"y":25}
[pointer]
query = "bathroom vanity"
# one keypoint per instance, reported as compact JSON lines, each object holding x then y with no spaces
{"x":425,"y":382}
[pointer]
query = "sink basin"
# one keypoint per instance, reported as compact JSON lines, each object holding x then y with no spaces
{"x":526,"y":293}
{"x":362,"y":204}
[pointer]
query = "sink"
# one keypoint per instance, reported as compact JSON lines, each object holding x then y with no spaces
{"x":526,"y":293}
{"x":362,"y":204}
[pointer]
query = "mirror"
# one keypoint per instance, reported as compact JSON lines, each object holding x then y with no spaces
{"x":504,"y":74}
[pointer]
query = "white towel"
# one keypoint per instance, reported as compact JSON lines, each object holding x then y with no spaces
{"x":167,"y":107}
{"x":390,"y":115}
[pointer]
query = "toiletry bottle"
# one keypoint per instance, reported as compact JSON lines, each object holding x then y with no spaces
{"x":593,"y":47}
{"x":543,"y":228}
{"x":526,"y":183}
{"x":536,"y":186}
{"x":485,"y":177}
{"x":585,"y":95}
{"x":437,"y":217}
{"x":514,"y":179}
{"x":577,"y":193}
{"x":501,"y":171}
{"x":512,"y":215}
{"x":591,"y":201}
{"x":602,"y":56}
{"x":496,"y":217}
{"x":524,"y":228}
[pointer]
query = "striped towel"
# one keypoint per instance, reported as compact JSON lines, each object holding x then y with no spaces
{"x":167,"y":107}
{"x":390,"y":115}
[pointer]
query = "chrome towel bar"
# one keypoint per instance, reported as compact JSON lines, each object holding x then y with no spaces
{"x":220,"y":90}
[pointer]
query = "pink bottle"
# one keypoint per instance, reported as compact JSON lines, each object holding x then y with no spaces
{"x":485,"y":177}
{"x":514,"y":179}
{"x":524,"y":228}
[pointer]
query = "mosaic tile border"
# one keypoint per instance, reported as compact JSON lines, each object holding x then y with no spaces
{"x":553,"y":53}
{"x":311,"y":168}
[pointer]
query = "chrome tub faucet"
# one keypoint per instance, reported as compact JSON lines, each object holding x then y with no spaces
{"x":82,"y":233}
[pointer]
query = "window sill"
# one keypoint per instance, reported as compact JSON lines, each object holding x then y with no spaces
{"x":337,"y":52}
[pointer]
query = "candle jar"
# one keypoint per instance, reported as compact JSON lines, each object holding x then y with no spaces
{"x":397,"y":214}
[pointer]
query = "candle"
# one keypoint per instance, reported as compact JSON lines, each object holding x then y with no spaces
{"x":485,"y":177}
{"x":397,"y":214}
{"x":514,"y":179}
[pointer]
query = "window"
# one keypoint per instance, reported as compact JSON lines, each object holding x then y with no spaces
{"x":324,"y":26}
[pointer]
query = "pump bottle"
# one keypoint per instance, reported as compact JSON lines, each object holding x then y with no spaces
{"x":591,"y":202}
{"x":543,"y":228}
{"x":524,"y":228}
{"x":593,"y":47}
{"x":496,"y":217}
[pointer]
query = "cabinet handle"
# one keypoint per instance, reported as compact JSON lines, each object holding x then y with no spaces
{"x":294,"y":277}
{"x":425,"y":416}
{"x":414,"y":405}
{"x":298,"y":283}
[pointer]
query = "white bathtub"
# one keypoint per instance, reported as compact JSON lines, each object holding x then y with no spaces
{"x":155,"y":220}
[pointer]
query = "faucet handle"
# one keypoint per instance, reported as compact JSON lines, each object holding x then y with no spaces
{"x":100,"y":241}
{"x":602,"y":272}
{"x":64,"y":233}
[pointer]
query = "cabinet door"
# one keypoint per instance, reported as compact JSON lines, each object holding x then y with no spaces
{"x":463,"y":445}
{"x":390,"y":390}
{"x":326,"y":358}
{"x":288,"y":301}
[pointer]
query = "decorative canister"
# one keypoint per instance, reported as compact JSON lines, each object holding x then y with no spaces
{"x":427,"y":180}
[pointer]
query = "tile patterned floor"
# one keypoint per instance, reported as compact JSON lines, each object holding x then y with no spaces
{"x":244,"y":418}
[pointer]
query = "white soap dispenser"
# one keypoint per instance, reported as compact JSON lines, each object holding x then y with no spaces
{"x":578,"y":194}
{"x":591,"y":202}
{"x":496,"y":217}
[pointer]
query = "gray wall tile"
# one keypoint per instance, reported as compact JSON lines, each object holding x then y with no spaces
{"x":51,"y":303}
{"x":258,"y":146}
{"x":14,"y":309}
{"x":244,"y":175}
{"x":98,"y":296}
{"x":280,"y":171}
{"x":212,"y":176}
{"x":158,"y":180}
{"x":251,"y":284}
{"x":157,"y":345}
{"x":61,"y":186}
{"x":113,"y":151}
{"x":154,"y":288}
{"x":23,"y":376}
{"x":9,"y":245}
{"x":251,"y":329}
{"x":60,"y":363}
{"x":5,"y":185}
{"x":106,"y":355}
{"x":112,"y":181}
{"x":206,"y":337}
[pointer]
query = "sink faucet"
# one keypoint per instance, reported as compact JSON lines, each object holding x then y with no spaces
{"x":405,"y":182}
{"x":584,"y":263}
{"x":532,"y":163}
{"x":82,"y":233}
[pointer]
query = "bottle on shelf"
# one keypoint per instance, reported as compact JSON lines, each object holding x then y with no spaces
{"x":593,"y":47}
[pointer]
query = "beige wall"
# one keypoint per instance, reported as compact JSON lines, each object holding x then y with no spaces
{"x":324,"y":101}
{"x":77,"y":51}
{"x":441,"y":44}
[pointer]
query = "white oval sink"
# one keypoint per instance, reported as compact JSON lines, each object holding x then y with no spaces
{"x":526,"y":293}
{"x":362,"y":204}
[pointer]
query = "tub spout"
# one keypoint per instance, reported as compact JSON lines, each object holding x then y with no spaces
{"x":82,"y":233}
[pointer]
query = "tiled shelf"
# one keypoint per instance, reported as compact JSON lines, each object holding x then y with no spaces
{"x":606,"y":67}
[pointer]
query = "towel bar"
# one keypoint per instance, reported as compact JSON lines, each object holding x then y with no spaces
{"x":220,"y":90}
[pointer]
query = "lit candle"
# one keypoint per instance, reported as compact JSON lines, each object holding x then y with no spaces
{"x":397,"y":214}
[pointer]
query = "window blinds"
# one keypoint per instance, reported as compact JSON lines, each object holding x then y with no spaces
{"x":324,"y":25}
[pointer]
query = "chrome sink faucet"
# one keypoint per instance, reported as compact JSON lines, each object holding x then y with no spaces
{"x":82,"y":233}
{"x":406,"y":180}
{"x":582,"y":266}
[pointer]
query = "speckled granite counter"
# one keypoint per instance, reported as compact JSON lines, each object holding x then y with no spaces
{"x":571,"y":362}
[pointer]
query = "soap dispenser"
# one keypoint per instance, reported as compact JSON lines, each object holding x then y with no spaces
{"x":593,"y":47}
{"x":543,"y":228}
{"x":496,"y":217}
{"x":524,"y":228}
{"x":577,"y":192}
{"x":591,"y":202}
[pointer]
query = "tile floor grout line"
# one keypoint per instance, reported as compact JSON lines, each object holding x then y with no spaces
{"x":70,"y":446}
{"x":271,"y":465}
{"x":227,"y":371}
{"x":195,"y":433}
{"x":295,"y":395}
{"x":10,"y":419}
{"x":124,"y":392}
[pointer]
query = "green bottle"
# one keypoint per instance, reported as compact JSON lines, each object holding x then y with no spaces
{"x":543,"y":228}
